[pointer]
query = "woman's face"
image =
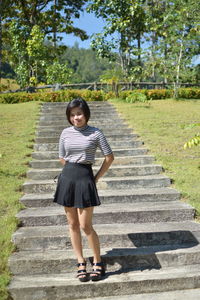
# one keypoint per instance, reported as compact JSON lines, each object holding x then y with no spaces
{"x":77,"y":117}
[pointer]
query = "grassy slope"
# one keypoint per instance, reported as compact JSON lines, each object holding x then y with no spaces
{"x":16,"y":135}
{"x":161,"y":126}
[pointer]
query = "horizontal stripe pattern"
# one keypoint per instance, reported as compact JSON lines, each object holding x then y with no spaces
{"x":79,"y":145}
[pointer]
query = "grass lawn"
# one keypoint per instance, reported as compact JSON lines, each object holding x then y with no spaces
{"x":161,"y":126}
{"x":16,"y":140}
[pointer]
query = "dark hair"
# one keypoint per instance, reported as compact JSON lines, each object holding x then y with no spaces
{"x":82,"y":104}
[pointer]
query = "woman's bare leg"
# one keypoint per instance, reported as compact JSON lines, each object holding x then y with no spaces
{"x":74,"y":230}
{"x":85,"y":221}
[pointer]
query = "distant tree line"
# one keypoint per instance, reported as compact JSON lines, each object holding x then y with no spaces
{"x":142,"y":40}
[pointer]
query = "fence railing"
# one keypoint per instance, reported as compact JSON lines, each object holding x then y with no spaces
{"x":115,"y":86}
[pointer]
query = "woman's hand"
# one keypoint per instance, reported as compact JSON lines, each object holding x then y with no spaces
{"x":62,"y":161}
{"x":104,"y":167}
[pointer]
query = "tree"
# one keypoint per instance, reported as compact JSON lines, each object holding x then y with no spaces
{"x":86,"y":66}
{"x":51,"y":16}
{"x":47,"y":14}
{"x":37,"y":53}
{"x":19,"y":58}
{"x":169,"y":29}
{"x":58,"y":73}
{"x":175,"y":31}
{"x":127,"y":19}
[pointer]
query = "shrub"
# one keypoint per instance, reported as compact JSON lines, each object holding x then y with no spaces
{"x":124,"y":94}
{"x":67,"y":95}
{"x":189,"y":93}
{"x":158,"y":94}
{"x":109,"y":95}
{"x":136,"y":97}
{"x":58,"y":96}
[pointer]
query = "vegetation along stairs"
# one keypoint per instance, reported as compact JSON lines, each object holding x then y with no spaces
{"x":149,"y":240}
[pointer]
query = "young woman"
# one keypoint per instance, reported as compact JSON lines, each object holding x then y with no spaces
{"x":76,"y":189}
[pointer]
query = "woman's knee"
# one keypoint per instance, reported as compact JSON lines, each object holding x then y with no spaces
{"x":87,"y":228}
{"x":74,"y":226}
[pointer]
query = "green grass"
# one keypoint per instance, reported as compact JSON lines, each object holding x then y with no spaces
{"x":161,"y":126}
{"x":16,"y":140}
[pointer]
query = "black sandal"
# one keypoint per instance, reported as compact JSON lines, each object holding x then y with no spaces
{"x":96,"y":273}
{"x":82,"y":274}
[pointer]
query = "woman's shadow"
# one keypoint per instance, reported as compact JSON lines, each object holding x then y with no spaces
{"x":143,"y":255}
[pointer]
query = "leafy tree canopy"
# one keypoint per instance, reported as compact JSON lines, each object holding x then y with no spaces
{"x":50,"y":15}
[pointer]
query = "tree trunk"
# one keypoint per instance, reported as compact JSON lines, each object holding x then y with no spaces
{"x":0,"y":40}
{"x":54,"y":28}
{"x":176,"y":85}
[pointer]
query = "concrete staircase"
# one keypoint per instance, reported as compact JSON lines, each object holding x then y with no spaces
{"x":149,"y":241}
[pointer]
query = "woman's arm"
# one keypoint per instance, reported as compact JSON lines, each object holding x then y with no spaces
{"x":104,"y":167}
{"x":62,"y":161}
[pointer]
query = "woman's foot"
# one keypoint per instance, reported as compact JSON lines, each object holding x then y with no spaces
{"x":82,"y":273}
{"x":98,"y":271}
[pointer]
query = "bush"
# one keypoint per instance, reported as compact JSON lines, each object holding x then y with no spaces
{"x":67,"y":95}
{"x":159,"y":94}
{"x":59,"y":96}
{"x":155,"y":94}
{"x":136,"y":97}
{"x":189,"y":93}
{"x":109,"y":95}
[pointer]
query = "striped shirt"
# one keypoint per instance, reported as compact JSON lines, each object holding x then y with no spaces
{"x":79,"y":145}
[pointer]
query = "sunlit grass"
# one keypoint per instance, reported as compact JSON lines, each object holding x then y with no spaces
{"x":16,"y":140}
{"x":10,"y":84}
{"x":161,"y":125}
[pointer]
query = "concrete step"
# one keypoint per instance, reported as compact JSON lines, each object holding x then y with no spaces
{"x":101,"y":125}
{"x":110,"y":235}
{"x":130,"y":182}
{"x":94,"y":116}
{"x":112,"y":139}
{"x":90,"y":104}
{"x":111,"y":214}
{"x":141,"y":258}
{"x":190,"y":294}
{"x":111,"y":196}
{"x":54,"y":132}
{"x":115,"y":144}
{"x":93,"y":109}
{"x":130,"y":170}
{"x":64,"y":104}
{"x":117,"y":152}
{"x":65,"y":287}
{"x":126,"y":160}
{"x":96,"y":122}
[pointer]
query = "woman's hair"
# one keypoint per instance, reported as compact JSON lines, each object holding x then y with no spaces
{"x":82,"y":104}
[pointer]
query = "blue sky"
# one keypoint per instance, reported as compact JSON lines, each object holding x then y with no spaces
{"x":87,"y":22}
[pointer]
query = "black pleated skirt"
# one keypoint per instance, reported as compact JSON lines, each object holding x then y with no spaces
{"x":76,"y":186}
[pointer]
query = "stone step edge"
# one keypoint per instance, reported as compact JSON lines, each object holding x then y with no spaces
{"x":112,"y":196}
{"x":67,"y":278}
{"x":112,"y":229}
{"x":100,"y":159}
{"x":112,"y":167}
{"x":104,"y":179}
{"x":133,"y":207}
{"x":189,"y":294}
{"x":107,"y":254}
{"x":113,"y":148}
{"x":109,"y":193}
